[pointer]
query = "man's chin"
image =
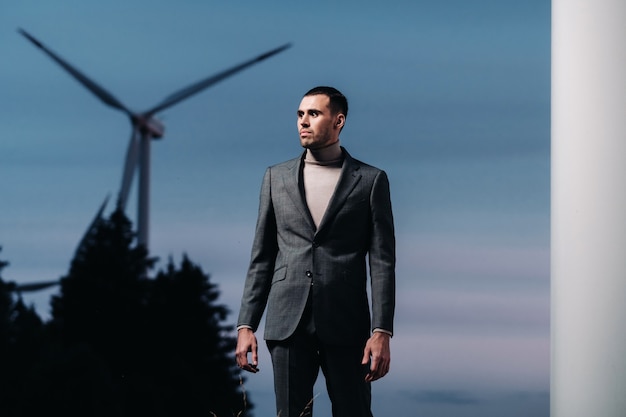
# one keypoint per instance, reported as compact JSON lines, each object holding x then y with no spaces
{"x":316,"y":146}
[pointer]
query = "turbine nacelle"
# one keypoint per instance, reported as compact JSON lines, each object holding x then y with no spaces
{"x":149,"y":126}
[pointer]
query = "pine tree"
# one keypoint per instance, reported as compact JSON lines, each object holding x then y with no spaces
{"x":128,"y":345}
{"x":194,"y":345}
{"x":102,"y":297}
{"x":6,"y":351}
{"x":6,"y":303}
{"x":21,"y":344}
{"x":97,"y":320}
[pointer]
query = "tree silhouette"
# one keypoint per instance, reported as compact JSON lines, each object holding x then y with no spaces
{"x":6,"y":349}
{"x":21,"y":341}
{"x":6,"y":304}
{"x":191,"y":345}
{"x":119,"y":343}
{"x":102,"y":296}
{"x":91,"y":341}
{"x":126,"y":345}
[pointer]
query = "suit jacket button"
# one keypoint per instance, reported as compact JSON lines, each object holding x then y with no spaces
{"x":309,"y":274}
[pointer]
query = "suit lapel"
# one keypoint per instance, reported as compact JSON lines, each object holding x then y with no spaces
{"x":348,"y":179}
{"x":294,"y":187}
{"x":295,"y":190}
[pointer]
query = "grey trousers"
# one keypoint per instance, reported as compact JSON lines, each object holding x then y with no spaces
{"x":296,"y":363}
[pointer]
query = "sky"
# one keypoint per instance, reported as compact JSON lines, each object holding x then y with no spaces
{"x":450,"y":97}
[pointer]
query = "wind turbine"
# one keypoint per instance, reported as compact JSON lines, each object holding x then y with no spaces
{"x":145,"y":127}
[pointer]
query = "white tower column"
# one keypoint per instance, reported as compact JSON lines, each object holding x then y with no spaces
{"x":588,"y":208}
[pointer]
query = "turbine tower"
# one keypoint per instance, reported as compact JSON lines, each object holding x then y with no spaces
{"x":145,"y":127}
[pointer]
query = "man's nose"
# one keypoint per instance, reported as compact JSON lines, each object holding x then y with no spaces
{"x":304,"y":121}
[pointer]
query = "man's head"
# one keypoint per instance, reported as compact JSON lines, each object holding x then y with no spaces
{"x":338,"y":102}
{"x":321,"y":116}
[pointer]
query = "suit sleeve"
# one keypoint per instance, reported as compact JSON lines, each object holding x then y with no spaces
{"x":382,"y":255}
{"x":262,"y":260}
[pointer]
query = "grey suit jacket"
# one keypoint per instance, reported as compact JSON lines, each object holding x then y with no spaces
{"x":291,"y":258}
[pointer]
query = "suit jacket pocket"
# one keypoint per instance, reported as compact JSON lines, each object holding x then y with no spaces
{"x":280,"y":274}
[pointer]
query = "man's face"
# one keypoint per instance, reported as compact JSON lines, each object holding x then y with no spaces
{"x":317,"y":125}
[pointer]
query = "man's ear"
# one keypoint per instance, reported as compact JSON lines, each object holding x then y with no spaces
{"x":341,"y":119}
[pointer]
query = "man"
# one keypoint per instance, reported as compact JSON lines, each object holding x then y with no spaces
{"x":321,"y":216}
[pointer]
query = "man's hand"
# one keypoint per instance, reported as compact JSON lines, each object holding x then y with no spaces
{"x":246,"y":342}
{"x":377,"y":348}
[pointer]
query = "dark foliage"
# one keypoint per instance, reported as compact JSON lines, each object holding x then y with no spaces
{"x":120,"y":343}
{"x":189,"y":344}
{"x":21,"y":338}
{"x":103,"y":298}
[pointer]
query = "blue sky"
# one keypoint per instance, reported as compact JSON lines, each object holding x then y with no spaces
{"x":450,"y":97}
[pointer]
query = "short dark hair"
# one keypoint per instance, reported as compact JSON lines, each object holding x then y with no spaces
{"x":338,"y":102}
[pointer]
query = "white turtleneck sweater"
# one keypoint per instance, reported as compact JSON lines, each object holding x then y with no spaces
{"x":322,"y":168}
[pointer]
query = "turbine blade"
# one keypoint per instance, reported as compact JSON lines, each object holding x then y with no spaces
{"x":130,"y":166}
{"x":35,"y":286}
{"x":100,"y":92}
{"x":207,"y":82}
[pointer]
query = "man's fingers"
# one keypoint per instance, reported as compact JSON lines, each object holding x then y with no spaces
{"x":374,"y":365}
{"x":366,"y":356}
{"x":377,"y":348}
{"x":246,"y":342}
{"x":242,"y":362}
{"x":373,"y":375}
{"x":378,"y":369}
{"x":255,"y":352}
{"x":250,"y":368}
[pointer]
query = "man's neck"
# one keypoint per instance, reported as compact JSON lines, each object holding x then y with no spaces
{"x":329,"y":153}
